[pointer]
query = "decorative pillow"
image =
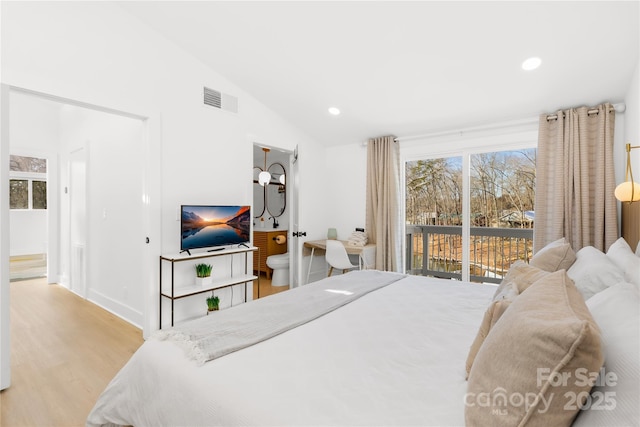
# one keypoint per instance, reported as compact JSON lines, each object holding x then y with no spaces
{"x":525,"y":275}
{"x":615,"y":400}
{"x":519,"y":277}
{"x":506,"y":290}
{"x":555,"y":256}
{"x":594,"y":271}
{"x":491,"y":316}
{"x":527,"y":371}
{"x":622,"y":255}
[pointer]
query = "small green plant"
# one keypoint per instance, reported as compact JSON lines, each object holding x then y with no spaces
{"x":213,"y":302}
{"x":203,"y":270}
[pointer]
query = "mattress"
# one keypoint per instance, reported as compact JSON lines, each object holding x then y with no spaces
{"x":395,"y":356}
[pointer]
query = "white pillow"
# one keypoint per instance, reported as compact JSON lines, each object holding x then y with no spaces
{"x":594,"y":271}
{"x":638,"y":249}
{"x":616,"y":310}
{"x":622,"y":255}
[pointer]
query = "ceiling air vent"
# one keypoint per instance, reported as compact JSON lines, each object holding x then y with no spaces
{"x":220,"y":100}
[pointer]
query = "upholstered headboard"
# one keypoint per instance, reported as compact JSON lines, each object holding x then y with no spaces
{"x":631,"y":223}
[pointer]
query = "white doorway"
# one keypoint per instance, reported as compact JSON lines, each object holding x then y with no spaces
{"x":122,"y":206}
{"x":98,"y":217}
{"x":29,"y":174}
{"x":271,"y":201}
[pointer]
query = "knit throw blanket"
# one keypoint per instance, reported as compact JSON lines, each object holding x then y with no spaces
{"x":232,"y":329}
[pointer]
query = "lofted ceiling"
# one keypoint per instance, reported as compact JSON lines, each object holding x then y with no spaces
{"x":408,"y":68}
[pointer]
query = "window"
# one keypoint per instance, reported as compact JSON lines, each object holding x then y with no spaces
{"x":19,"y":194}
{"x":39,"y":194}
{"x":27,"y":183}
{"x":470,"y":225}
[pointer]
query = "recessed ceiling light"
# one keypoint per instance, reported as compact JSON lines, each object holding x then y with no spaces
{"x":531,"y":63}
{"x":333,"y":110}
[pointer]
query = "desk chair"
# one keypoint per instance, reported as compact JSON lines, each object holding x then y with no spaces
{"x":337,"y":257}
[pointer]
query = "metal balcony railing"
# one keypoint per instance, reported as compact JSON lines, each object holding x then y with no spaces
{"x":436,"y":250}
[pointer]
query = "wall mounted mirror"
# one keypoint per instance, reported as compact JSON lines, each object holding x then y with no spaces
{"x":259,"y":194}
{"x":276,"y":191}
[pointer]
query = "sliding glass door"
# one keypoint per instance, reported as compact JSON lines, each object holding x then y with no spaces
{"x":469,"y":217}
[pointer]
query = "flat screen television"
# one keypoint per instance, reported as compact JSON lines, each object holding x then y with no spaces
{"x":214,"y":226}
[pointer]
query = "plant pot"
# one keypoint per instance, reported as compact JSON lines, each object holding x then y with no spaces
{"x":203,"y":281}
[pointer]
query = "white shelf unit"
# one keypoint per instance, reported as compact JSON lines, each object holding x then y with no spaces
{"x":185,"y":290}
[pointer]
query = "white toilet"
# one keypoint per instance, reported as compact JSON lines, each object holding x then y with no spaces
{"x":280,"y":265}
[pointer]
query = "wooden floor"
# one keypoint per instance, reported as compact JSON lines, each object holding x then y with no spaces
{"x":266,"y":288}
{"x":22,"y":267}
{"x":64,"y":352}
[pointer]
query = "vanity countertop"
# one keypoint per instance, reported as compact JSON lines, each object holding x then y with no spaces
{"x":267,"y":229}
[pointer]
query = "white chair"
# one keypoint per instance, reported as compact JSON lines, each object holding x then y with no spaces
{"x":337,"y":257}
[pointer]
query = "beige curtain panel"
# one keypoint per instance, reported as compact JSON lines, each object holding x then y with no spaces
{"x":575,"y":178}
{"x":383,"y":202}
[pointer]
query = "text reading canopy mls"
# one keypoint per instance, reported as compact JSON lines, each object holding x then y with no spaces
{"x":214,"y":226}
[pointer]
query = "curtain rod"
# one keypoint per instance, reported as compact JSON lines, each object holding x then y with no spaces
{"x":618,"y":108}
{"x":531,"y":121}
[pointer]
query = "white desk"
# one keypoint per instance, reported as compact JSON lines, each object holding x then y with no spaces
{"x":366,"y":254}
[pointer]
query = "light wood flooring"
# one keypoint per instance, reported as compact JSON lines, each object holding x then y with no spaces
{"x":64,"y":352}
{"x":22,"y":267}
{"x":266,"y":288}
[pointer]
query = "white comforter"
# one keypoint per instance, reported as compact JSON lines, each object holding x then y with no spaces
{"x":396,"y":356}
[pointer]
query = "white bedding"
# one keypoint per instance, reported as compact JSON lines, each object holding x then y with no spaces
{"x":396,"y":356}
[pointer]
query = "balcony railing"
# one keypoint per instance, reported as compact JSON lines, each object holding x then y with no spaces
{"x":436,"y":250}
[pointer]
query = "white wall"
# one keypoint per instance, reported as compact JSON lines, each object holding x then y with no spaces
{"x":96,"y":53}
{"x":28,"y":232}
{"x":114,"y":182}
{"x":345,"y":178}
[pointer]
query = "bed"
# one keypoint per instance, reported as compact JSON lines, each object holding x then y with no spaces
{"x":393,"y":353}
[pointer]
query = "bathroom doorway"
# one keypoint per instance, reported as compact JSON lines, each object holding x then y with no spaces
{"x":274,"y":216}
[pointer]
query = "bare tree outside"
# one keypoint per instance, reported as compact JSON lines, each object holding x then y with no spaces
{"x":18,"y":194}
{"x":502,"y":193}
{"x":27,"y":164}
{"x":28,"y":189}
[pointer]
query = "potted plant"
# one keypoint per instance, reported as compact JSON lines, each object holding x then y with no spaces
{"x":203,"y":274}
{"x":212,"y":303}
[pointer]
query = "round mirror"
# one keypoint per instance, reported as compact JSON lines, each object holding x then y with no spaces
{"x":276,"y":191}
{"x":259,"y":194}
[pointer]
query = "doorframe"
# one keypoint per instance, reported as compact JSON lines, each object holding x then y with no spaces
{"x":151,"y":198}
{"x":292,"y":202}
{"x":53,"y":207}
{"x":5,"y":337}
{"x":295,"y":256}
{"x":73,"y":287}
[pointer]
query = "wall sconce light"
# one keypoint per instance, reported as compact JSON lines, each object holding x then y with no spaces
{"x":264,"y":177}
{"x":628,"y":191}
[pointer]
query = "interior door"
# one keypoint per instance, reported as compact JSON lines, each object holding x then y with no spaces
{"x":78,"y":221}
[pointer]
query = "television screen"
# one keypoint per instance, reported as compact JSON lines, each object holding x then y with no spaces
{"x":209,"y":226}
